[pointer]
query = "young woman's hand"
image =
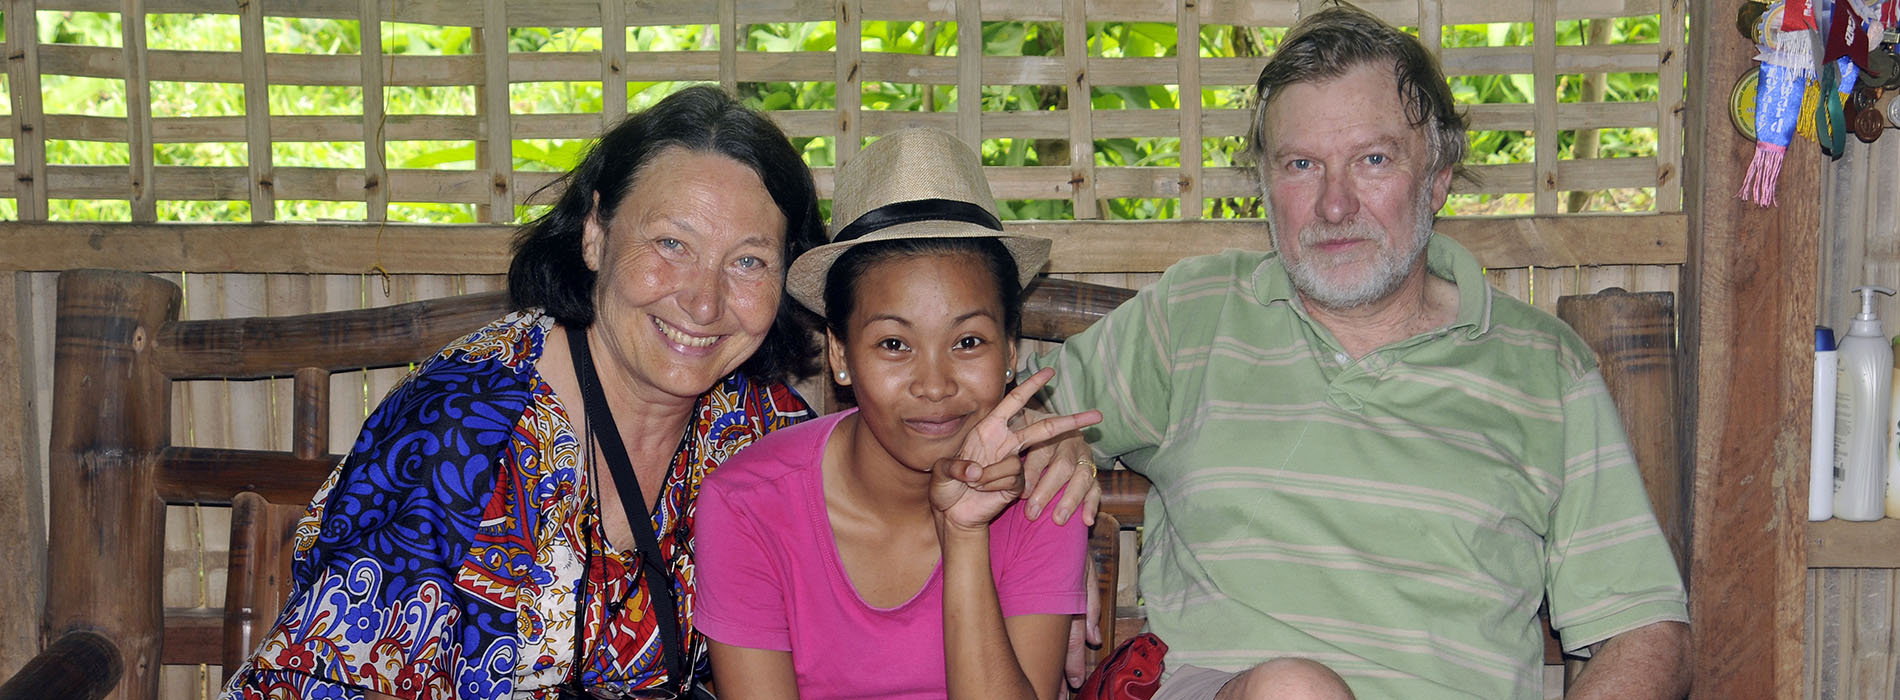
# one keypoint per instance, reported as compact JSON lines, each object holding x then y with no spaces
{"x":972,"y":488}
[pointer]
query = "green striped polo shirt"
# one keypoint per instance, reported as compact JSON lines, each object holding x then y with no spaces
{"x":1398,"y":517}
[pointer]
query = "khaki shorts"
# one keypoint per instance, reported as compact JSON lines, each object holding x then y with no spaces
{"x":1192,"y":682}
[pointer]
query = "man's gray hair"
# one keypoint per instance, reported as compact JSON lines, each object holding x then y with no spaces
{"x":1328,"y":43}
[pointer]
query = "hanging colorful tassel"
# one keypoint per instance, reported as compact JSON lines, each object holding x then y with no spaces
{"x":1777,"y":101}
{"x":1809,"y":98}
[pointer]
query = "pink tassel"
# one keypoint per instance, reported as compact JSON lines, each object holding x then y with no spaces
{"x":1764,"y":174}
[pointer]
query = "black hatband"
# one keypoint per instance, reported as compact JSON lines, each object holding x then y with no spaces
{"x":917,"y":210}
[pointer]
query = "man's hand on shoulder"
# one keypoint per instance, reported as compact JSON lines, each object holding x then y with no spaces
{"x":1647,"y":663}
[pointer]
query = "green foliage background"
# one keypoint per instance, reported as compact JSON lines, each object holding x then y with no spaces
{"x":75,"y":95}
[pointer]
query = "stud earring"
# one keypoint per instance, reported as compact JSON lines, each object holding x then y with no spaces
{"x":1009,"y":374}
{"x":842,"y":377}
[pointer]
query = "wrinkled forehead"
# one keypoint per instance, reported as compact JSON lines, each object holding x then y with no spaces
{"x":1361,"y":100}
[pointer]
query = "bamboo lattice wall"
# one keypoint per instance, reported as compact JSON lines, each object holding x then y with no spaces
{"x":275,"y":265}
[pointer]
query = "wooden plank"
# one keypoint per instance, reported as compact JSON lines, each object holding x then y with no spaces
{"x":23,"y":84}
{"x":288,"y":295}
{"x":848,"y":128}
{"x":138,"y":111}
{"x":1747,"y":326}
{"x":257,"y":112}
{"x":22,"y":514}
{"x":1187,"y":41}
{"x":1078,"y":82}
{"x":495,"y":148}
{"x":1544,"y":91}
{"x":1559,"y":241}
{"x":375,"y":149}
{"x":193,"y":636}
{"x":655,"y":12}
{"x":1020,"y":182}
{"x":970,"y":61}
{"x":348,"y":406}
{"x":730,"y":41}
{"x":1671,"y":72}
{"x":1873,"y":635}
{"x":409,"y":127}
{"x":613,"y":63}
{"x":1843,"y":544}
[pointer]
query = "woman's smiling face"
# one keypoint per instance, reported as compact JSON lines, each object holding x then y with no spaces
{"x":691,"y":270}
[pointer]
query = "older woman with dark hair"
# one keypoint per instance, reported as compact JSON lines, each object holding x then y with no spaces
{"x":489,"y":535}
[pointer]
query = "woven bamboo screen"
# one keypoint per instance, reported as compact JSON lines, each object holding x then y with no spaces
{"x":285,"y":263}
{"x":1196,"y":181}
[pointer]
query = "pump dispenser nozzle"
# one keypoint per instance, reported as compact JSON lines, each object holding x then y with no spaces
{"x":1865,"y":322}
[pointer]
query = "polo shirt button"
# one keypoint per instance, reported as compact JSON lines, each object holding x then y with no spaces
{"x":1341,"y":358}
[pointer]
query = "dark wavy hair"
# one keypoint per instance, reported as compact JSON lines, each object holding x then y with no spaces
{"x":1328,"y":43}
{"x":841,"y":281}
{"x":548,"y":271}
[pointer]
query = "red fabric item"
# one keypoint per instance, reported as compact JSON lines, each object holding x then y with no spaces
{"x":1131,"y":672}
{"x":1846,"y":35}
{"x":1798,"y":15}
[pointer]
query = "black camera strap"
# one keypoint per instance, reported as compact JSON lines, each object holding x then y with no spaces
{"x":654,"y":570}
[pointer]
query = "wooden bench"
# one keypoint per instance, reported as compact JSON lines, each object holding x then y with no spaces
{"x":119,"y":347}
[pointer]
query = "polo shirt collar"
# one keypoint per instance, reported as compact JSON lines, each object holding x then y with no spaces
{"x":1444,"y":257}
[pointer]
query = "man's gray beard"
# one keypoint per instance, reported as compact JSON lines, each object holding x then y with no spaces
{"x":1389,"y":272}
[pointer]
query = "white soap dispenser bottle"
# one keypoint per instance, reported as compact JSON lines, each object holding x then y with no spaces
{"x":1862,"y":405}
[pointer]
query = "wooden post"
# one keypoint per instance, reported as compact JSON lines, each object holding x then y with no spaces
{"x":111,"y":412}
{"x":1746,"y":329}
{"x":1634,"y":336}
{"x":22,"y":518}
{"x":258,"y":575}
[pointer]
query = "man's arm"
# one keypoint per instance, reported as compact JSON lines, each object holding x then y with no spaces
{"x":1647,"y":663}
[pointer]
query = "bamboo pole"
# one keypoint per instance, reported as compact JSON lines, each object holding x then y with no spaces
{"x":109,"y":416}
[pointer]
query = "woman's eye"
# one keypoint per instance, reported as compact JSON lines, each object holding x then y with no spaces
{"x":968,"y":342}
{"x":751,"y":262}
{"x":1300,"y":164}
{"x":1376,"y":159}
{"x":892,"y":345}
{"x":669,"y":243}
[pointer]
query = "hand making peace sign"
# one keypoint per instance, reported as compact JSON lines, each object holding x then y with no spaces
{"x":972,"y":488}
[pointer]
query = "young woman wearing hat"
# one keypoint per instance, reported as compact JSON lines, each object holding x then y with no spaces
{"x":883,"y":552}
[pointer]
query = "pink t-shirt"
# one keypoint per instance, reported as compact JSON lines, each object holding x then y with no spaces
{"x":770,"y":578}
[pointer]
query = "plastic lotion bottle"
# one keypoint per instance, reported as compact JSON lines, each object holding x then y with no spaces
{"x":1863,"y":399}
{"x":1821,"y":452}
{"x":1893,"y":449}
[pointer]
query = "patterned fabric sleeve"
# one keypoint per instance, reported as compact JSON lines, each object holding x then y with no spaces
{"x":376,"y":604}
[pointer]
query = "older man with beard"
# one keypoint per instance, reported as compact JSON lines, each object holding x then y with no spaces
{"x":1365,"y":458}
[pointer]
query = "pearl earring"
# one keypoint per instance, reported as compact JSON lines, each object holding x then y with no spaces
{"x":1009,"y":374}
{"x":842,"y":377}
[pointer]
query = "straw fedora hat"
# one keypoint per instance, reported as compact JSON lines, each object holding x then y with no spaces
{"x":913,"y":183}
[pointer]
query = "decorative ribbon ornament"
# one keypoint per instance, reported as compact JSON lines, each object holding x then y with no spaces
{"x":1787,"y":61}
{"x":1777,"y":102}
